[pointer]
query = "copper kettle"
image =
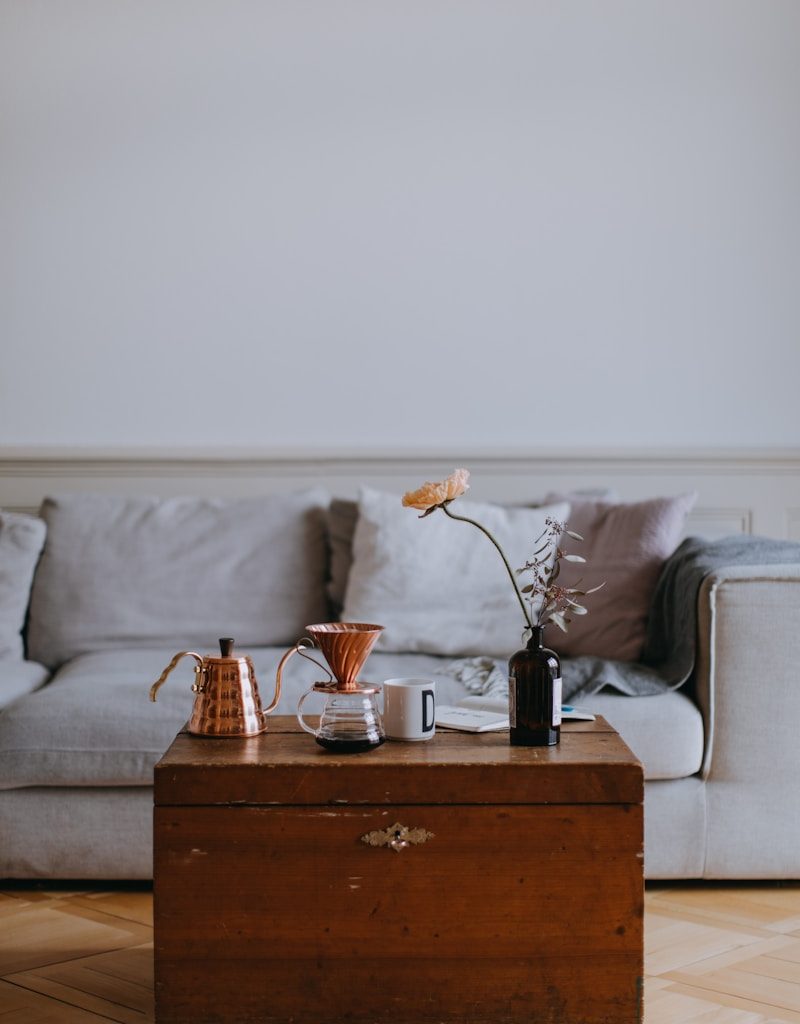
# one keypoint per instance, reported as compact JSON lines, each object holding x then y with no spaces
{"x":227,"y":701}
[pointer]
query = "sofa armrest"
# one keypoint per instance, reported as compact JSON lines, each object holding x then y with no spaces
{"x":747,"y":674}
{"x":748,"y":668}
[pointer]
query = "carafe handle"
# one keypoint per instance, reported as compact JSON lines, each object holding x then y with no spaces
{"x":301,"y":646}
{"x":300,"y":719}
{"x":163,"y":677}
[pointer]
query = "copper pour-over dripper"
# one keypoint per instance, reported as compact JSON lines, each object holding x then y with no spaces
{"x":345,"y":645}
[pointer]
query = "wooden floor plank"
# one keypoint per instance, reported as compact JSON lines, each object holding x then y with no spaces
{"x":670,"y":1007}
{"x":52,"y":934}
{"x":772,"y":967}
{"x":78,"y":995}
{"x":769,"y":993}
{"x":773,"y":910}
{"x":20,"y":1006}
{"x":10,"y":904}
{"x":739,"y":956}
{"x":726,"y":999}
{"x":118,"y":985}
{"x":130,"y":906}
{"x":790,"y":951}
{"x":134,"y":965}
{"x":714,"y":955}
{"x":686,"y":942}
{"x":707,"y":919}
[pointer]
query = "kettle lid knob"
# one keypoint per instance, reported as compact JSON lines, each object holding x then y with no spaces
{"x":226,"y":646}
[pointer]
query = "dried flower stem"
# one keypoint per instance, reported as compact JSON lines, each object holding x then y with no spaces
{"x":509,"y":570}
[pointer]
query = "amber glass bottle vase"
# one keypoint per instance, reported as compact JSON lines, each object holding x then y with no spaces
{"x":534,"y":694}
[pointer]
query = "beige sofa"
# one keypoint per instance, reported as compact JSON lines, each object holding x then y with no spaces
{"x":76,"y":754}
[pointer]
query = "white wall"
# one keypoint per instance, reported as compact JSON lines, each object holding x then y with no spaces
{"x":424,"y":222}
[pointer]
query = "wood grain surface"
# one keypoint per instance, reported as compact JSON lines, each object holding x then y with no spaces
{"x":524,"y":904}
{"x":503,"y":911}
{"x":285,"y":766}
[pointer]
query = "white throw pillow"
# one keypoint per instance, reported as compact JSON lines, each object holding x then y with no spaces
{"x":437,"y":585}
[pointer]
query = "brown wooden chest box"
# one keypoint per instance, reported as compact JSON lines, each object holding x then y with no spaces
{"x":519,"y":899}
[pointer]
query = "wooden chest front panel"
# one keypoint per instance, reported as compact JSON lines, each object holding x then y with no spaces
{"x":508,"y":914}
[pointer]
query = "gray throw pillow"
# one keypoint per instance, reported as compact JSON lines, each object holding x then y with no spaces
{"x":625,"y":546}
{"x":179,"y":572}
{"x":21,"y":541}
{"x":342,"y":519}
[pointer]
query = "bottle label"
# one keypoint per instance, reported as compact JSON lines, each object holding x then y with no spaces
{"x":512,"y":702}
{"x":557,"y":702}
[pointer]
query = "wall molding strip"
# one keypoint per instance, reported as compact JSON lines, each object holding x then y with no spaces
{"x":69,"y":461}
{"x":739,"y":490}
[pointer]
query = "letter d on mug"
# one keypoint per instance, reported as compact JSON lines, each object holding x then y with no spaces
{"x":409,"y":709}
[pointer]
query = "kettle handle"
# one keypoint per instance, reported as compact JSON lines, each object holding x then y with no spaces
{"x":163,"y":677}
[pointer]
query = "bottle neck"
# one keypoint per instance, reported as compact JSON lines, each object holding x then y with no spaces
{"x":536,"y":641}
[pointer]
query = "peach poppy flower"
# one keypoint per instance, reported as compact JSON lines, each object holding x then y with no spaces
{"x":432,"y":495}
{"x":549,"y":602}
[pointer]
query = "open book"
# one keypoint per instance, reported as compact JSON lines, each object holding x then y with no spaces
{"x":490,"y":714}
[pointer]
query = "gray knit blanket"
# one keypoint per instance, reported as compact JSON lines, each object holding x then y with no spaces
{"x":669,"y":652}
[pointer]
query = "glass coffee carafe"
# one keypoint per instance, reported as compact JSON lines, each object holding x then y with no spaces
{"x":350,"y":721}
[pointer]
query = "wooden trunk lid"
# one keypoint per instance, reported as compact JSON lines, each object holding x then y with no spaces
{"x":284,"y":766}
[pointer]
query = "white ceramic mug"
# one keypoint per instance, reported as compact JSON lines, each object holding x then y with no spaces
{"x":409,"y":709}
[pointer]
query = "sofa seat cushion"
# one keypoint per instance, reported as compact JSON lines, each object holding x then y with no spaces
{"x":93,"y":724}
{"x":664,"y":731}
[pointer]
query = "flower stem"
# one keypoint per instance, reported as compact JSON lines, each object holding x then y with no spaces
{"x":509,"y":570}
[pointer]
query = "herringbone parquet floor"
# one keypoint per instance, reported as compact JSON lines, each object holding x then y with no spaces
{"x":715,"y":954}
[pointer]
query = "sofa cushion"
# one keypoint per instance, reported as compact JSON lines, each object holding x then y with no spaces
{"x":664,"y":731}
{"x":120,"y":571}
{"x":75,"y":833}
{"x":625,"y":546}
{"x":94,"y":725}
{"x":21,"y":541}
{"x":436,"y":585}
{"x":342,"y":520}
